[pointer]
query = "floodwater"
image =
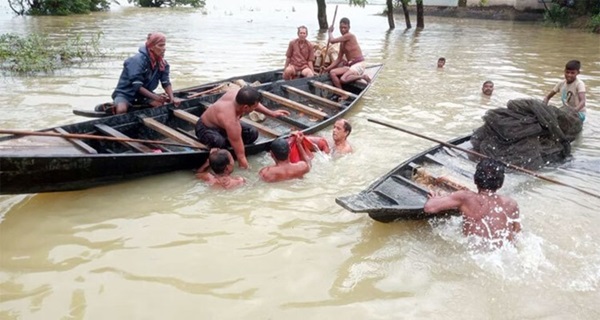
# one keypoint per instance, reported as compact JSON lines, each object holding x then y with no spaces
{"x":167,"y":247}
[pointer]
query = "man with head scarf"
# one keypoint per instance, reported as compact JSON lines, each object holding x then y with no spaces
{"x":141,"y":75}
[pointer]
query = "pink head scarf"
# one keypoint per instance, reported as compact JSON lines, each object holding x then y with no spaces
{"x":153,"y":39}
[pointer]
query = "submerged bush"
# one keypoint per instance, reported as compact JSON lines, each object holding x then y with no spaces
{"x":36,"y":53}
{"x":170,"y":3}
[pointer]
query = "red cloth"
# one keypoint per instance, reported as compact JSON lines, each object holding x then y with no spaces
{"x":153,"y":39}
{"x":294,"y":152}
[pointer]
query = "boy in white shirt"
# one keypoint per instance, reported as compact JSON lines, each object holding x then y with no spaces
{"x":572,"y":90}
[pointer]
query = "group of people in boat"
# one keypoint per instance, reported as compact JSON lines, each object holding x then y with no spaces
{"x":486,"y":213}
{"x":144,"y":71}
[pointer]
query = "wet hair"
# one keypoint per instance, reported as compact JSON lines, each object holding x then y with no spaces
{"x":302,"y":27}
{"x":280,"y":149}
{"x":442,"y":59}
{"x":347,"y":126}
{"x":488,"y":81}
{"x":489,"y":175}
{"x":248,"y":96}
{"x":219,"y":161}
{"x":573,"y":65}
{"x":345,"y":21}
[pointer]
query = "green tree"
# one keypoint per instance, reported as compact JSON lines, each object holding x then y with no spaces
{"x":57,"y":7}
{"x":170,"y":3}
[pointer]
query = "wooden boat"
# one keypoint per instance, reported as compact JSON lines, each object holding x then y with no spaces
{"x":157,"y":140}
{"x":401,"y":193}
{"x":199,"y":90}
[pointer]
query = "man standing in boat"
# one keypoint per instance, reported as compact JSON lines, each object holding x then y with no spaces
{"x":486,"y":214}
{"x":220,"y":126}
{"x":141,"y":75}
{"x":284,"y":169}
{"x":350,"y":63}
{"x":299,"y":57}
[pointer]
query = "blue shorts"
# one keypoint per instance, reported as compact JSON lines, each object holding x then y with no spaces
{"x":581,"y":116}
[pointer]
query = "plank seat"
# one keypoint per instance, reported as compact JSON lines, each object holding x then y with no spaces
{"x":171,"y":133}
{"x":77,"y":143}
{"x":333,"y":89}
{"x":294,"y":105}
{"x":115,"y":133}
{"x":184,"y":115}
{"x":313,"y":97}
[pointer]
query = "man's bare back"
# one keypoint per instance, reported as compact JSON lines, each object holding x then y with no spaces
{"x":486,"y":214}
{"x":220,"y":126}
{"x":283,"y":169}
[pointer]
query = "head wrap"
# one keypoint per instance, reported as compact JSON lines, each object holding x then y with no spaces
{"x":153,"y":39}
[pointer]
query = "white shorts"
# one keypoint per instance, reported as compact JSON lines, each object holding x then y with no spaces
{"x":358,"y":68}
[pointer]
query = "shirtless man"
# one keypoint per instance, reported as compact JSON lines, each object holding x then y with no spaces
{"x":220,"y":126}
{"x":350,"y":63}
{"x":486,"y":214}
{"x":341,"y":130}
{"x":299,"y":57}
{"x":283,"y":169}
{"x":221,"y":162}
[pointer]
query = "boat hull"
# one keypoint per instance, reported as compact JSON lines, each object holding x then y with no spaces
{"x":396,"y":195}
{"x":30,"y":164}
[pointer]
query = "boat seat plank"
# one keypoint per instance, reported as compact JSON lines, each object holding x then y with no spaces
{"x":171,"y":133}
{"x":294,"y":105}
{"x":184,"y":115}
{"x":333,"y":89}
{"x":115,"y":133}
{"x":78,"y":143}
{"x":313,"y":97}
{"x":262,"y":128}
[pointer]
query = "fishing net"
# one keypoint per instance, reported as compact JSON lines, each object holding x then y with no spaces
{"x":527,"y":133}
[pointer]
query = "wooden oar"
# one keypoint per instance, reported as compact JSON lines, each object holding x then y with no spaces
{"x":328,"y":43}
{"x":91,"y":137}
{"x":529,"y":172}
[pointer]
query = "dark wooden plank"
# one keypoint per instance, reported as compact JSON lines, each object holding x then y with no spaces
{"x":333,"y":89}
{"x":262,"y":128}
{"x":294,"y":105}
{"x":171,"y":133}
{"x":78,"y":143}
{"x":313,"y":97}
{"x":115,"y":133}
{"x":184,"y":115}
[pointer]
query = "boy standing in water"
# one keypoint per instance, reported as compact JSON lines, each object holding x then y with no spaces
{"x":572,"y":90}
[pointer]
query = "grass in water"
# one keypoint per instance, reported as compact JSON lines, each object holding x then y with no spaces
{"x":37,"y":53}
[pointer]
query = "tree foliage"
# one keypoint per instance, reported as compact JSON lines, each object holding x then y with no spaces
{"x":170,"y":3}
{"x":57,"y":7}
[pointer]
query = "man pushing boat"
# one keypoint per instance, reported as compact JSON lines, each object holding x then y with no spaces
{"x":220,"y":126}
{"x":486,"y":214}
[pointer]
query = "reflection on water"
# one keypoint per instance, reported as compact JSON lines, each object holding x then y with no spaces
{"x":287,"y":250}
